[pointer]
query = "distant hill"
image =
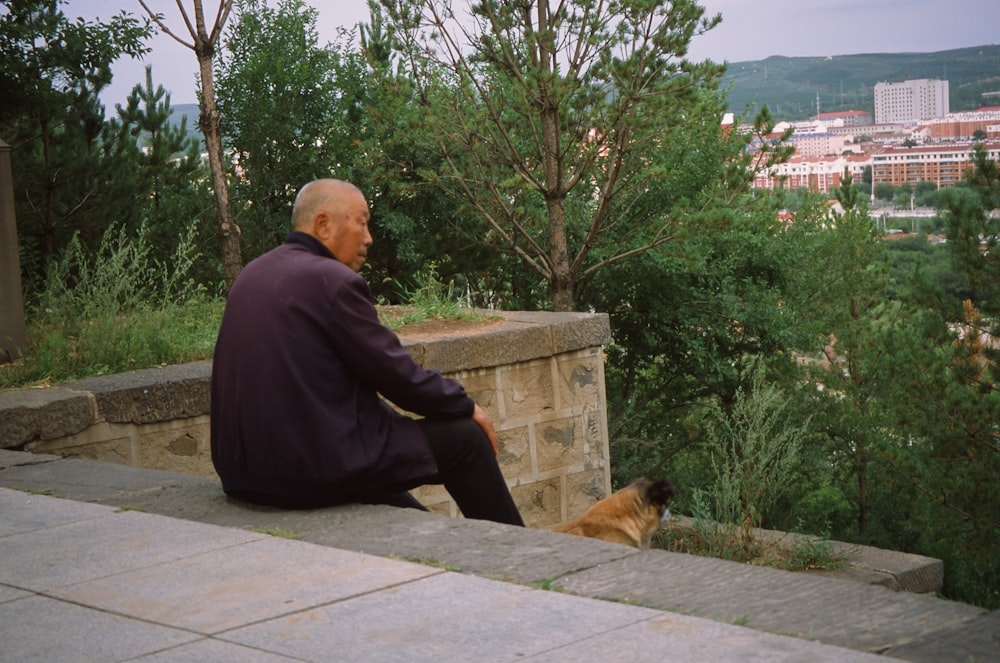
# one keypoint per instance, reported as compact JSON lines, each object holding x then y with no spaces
{"x":190,"y":111}
{"x":789,"y":86}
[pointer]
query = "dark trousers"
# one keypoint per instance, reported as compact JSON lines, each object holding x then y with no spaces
{"x":468,"y":469}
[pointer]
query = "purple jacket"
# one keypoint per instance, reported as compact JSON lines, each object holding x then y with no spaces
{"x":299,"y":364}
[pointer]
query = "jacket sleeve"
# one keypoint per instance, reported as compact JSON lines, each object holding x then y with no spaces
{"x":377,"y":358}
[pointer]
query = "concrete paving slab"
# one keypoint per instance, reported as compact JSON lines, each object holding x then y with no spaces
{"x":843,"y":613}
{"x":977,"y":642}
{"x":10,"y":458}
{"x":93,"y":481}
{"x":446,"y":617}
{"x":8,"y":593}
{"x":683,"y":639}
{"x":241,"y":584}
{"x":483,"y":548}
{"x":43,"y":545}
{"x":214,"y":651}
{"x":44,"y":630}
{"x":41,"y":560}
{"x":26,"y":512}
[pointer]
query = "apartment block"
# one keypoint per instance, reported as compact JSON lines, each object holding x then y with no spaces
{"x":848,"y":118}
{"x":818,"y":174}
{"x":963,"y":126}
{"x":910,"y":101}
{"x":944,"y":164}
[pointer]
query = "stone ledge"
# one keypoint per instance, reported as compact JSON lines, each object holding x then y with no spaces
{"x":848,"y":614}
{"x":514,"y":338}
{"x":43,"y":414}
{"x":182,"y":391}
{"x":898,"y":571}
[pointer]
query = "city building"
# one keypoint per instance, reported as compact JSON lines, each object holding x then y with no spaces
{"x":944,"y":164}
{"x":910,"y":101}
{"x":849,"y":118}
{"x":818,"y":174}
{"x":963,"y":126}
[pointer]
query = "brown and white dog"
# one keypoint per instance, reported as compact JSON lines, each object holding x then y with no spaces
{"x":630,"y":515}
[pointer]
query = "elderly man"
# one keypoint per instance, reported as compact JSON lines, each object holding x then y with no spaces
{"x":300,"y":363}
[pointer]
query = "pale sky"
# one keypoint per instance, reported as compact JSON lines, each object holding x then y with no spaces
{"x":750,"y":30}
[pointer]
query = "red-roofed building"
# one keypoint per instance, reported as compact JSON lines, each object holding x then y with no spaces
{"x":941,"y":163}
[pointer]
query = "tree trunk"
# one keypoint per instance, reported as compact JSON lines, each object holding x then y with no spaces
{"x":862,"y":495}
{"x":209,"y":121}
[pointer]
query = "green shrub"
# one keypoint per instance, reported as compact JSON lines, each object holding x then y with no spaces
{"x":114,"y":311}
{"x":755,"y":448}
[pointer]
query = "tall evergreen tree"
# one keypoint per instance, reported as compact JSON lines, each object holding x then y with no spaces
{"x":53,"y":69}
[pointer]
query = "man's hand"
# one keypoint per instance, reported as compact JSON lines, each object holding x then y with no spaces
{"x":480,"y":417}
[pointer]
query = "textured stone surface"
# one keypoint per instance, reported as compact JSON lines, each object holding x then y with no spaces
{"x":153,"y":394}
{"x":143,"y":567}
{"x":42,"y":414}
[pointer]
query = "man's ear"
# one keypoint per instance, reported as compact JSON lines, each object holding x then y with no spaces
{"x":322,"y":225}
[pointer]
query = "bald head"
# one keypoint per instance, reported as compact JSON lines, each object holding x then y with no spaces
{"x":336,"y":213}
{"x":329,"y":194}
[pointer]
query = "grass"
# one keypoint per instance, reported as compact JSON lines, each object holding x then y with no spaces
{"x":279,"y":532}
{"x":120,"y":310}
{"x":729,"y":543}
{"x":61,"y":350}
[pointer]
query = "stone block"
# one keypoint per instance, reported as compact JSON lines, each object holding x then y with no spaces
{"x":515,"y":453}
{"x":182,"y":445}
{"x":102,"y":441}
{"x":537,"y":374}
{"x":526,"y":390}
{"x":481,"y":385}
{"x":154,"y":394}
{"x":43,"y":414}
{"x":581,"y":378}
{"x":539,"y":502}
{"x":583,"y":489}
{"x":559,"y":444}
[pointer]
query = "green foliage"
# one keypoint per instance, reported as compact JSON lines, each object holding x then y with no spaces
{"x":121,"y":309}
{"x":710,"y":538}
{"x":973,"y":232}
{"x":53,"y":70}
{"x":429,"y":299}
{"x":925,"y":272}
{"x":548,"y":155}
{"x":755,"y":448}
{"x":282,"y":114}
{"x":813,"y":553}
{"x":691,"y":322}
{"x":116,"y":310}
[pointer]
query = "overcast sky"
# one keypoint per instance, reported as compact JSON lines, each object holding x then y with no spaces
{"x":750,"y":30}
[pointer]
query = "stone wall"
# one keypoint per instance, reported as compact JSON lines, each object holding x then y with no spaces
{"x":539,"y":375}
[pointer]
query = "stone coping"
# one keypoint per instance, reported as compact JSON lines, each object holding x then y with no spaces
{"x":899,"y":571}
{"x":182,"y":391}
{"x":855,"y":615}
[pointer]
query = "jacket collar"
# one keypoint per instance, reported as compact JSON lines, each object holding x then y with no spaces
{"x":310,"y":242}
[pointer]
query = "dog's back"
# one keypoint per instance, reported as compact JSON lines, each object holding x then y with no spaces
{"x":630,"y":516}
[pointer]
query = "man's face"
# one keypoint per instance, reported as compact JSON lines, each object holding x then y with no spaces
{"x":350,"y":239}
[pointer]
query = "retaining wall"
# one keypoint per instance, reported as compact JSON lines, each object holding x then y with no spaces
{"x":539,"y":375}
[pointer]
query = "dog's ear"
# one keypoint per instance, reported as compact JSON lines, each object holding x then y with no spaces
{"x":660,"y":491}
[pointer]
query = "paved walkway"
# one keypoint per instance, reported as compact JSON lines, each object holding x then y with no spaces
{"x":104,"y":562}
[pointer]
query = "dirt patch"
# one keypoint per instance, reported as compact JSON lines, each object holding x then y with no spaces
{"x":446,"y":327}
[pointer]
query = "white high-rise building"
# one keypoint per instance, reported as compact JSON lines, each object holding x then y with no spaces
{"x":910,"y":101}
